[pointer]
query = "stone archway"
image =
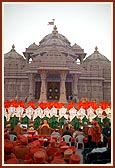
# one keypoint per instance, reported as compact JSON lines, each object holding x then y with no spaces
{"x":53,"y":90}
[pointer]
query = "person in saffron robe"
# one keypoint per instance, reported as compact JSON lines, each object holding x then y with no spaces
{"x":18,"y":129}
{"x":45,"y":124}
{"x":95,"y":132}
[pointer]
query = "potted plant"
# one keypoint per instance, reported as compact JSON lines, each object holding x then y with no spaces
{"x":53,"y":122}
{"x":37,"y":122}
{"x":14,"y":121}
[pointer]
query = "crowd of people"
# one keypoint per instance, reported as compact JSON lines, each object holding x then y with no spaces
{"x":60,"y":146}
{"x":23,"y":143}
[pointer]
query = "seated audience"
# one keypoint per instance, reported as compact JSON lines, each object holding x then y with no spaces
{"x":85,"y":128}
{"x":13,"y":132}
{"x":55,"y":133}
{"x":67,"y":132}
{"x":78,"y":132}
{"x":106,"y":132}
{"x":99,"y":148}
{"x":25,"y":132}
{"x":80,"y":141}
{"x":71,"y":129}
{"x":90,"y":143}
{"x":18,"y":129}
{"x":99,"y":155}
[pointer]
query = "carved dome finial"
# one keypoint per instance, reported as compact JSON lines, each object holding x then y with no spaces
{"x":13,"y":48}
{"x":55,"y":29}
{"x":96,"y":48}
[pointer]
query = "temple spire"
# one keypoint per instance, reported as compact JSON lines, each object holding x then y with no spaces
{"x":13,"y":48}
{"x":55,"y":29}
{"x":96,"y":50}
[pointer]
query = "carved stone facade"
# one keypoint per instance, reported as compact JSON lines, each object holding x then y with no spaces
{"x":50,"y":72}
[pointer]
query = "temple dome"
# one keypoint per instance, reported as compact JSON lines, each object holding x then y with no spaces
{"x":54,"y":40}
{"x":96,"y":56}
{"x":77,"y":48}
{"x":53,"y":36}
{"x":13,"y":60}
{"x":97,"y":62}
{"x":12,"y":54}
{"x":33,"y":46}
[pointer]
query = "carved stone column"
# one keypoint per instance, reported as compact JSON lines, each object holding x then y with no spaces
{"x":43,"y":91}
{"x":31,"y":86}
{"x":62,"y":87}
{"x":75,"y":89}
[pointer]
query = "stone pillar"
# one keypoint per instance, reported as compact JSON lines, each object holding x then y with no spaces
{"x":75,"y":89}
{"x":62,"y":88}
{"x":43,"y":91}
{"x":31,"y":86}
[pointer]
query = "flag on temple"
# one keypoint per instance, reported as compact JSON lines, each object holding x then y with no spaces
{"x":51,"y":23}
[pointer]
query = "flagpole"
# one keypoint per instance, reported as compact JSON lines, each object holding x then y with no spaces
{"x":53,"y":21}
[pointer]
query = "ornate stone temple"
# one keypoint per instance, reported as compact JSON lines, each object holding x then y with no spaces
{"x":56,"y":71}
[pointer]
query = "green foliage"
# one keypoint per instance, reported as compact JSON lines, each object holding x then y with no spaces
{"x":76,"y":123}
{"x":85,"y":120}
{"x":37,"y":122}
{"x":61,"y":121}
{"x":25,"y":120}
{"x":53,"y":122}
{"x":45,"y":118}
{"x":106,"y":120}
{"x":98,"y":120}
{"x":13,"y":121}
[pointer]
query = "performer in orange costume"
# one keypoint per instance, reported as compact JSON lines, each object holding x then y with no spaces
{"x":95,"y":132}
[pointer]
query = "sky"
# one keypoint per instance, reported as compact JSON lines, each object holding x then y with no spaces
{"x":86,"y":24}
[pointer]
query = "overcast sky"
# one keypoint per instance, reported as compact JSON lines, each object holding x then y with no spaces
{"x":86,"y":24}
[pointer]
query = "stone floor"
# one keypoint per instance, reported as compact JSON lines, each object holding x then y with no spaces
{"x":79,"y":152}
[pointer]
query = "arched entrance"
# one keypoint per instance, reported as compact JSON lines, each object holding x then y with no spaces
{"x":53,"y":90}
{"x":53,"y":86}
